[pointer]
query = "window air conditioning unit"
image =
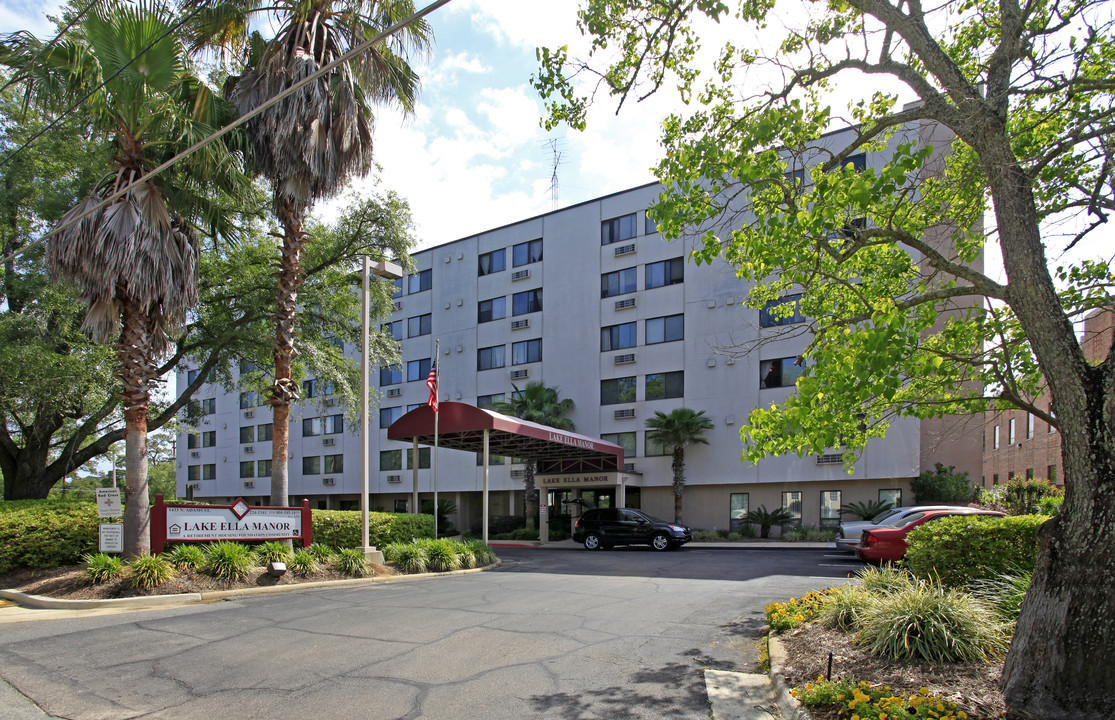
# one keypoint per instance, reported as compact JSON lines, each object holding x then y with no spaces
{"x":329,"y":441}
{"x":518,"y":474}
{"x":394,"y":392}
{"x":249,"y":413}
{"x":625,"y":303}
{"x":330,"y":402}
{"x":394,"y":478}
{"x":629,"y":467}
{"x":195,"y":453}
{"x":249,"y":448}
{"x":328,"y":481}
{"x":625,"y":249}
{"x":520,"y":324}
{"x":830,"y":459}
{"x":249,"y":484}
{"x":520,"y":274}
{"x":624,"y":359}
{"x":625,"y":414}
{"x":520,"y":374}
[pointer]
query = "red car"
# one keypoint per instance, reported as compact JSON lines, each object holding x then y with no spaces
{"x":888,"y":543}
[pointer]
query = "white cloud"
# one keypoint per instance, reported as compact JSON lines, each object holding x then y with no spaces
{"x":32,"y":16}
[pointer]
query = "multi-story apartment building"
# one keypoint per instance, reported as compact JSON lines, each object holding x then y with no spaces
{"x":1018,"y":444}
{"x":591,"y":300}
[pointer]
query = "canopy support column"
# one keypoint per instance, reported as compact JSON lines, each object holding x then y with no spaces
{"x":484,"y":521}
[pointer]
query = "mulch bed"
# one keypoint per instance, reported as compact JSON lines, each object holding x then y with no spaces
{"x":973,"y":687}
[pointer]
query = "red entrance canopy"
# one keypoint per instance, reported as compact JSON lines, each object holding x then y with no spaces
{"x":461,"y":426}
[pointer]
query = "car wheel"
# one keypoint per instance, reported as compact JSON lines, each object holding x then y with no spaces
{"x":661,"y":541}
{"x":593,"y":542}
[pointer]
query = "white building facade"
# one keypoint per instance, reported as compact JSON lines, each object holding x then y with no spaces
{"x":591,"y":300}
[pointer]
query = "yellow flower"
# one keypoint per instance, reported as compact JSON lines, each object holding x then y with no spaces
{"x":924,"y":691}
{"x":962,"y":715}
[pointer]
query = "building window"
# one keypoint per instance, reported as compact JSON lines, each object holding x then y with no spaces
{"x":1029,"y":425}
{"x":398,"y":285}
{"x":995,"y":438}
{"x":779,"y":372}
{"x":310,"y":388}
{"x":491,"y":357}
{"x":617,"y":229}
{"x":738,"y":507}
{"x":193,"y":473}
{"x":893,"y":497}
{"x":390,"y":459}
{"x":527,"y":351}
{"x":791,"y":503}
{"x":311,"y":465}
{"x":394,"y":329}
{"x":492,"y":262}
{"x":193,"y":440}
{"x":209,"y":406}
{"x":526,"y":253}
{"x":489,"y":310}
{"x":263,"y":468}
{"x":390,"y":375}
{"x":1051,"y":474}
{"x":830,"y":508}
{"x":492,"y":459}
{"x":1029,"y":473}
{"x":247,"y":400}
{"x":660,"y":386}
{"x":423,"y":458}
{"x":1010,"y":476}
{"x":783,"y":311}
{"x":332,"y":424}
{"x":486,"y":401}
{"x":617,"y":390}
{"x":209,"y":438}
{"x":617,"y":337}
{"x":857,"y":163}
{"x":1051,"y":428}
{"x":311,"y":427}
{"x":625,"y":440}
{"x":209,"y":472}
{"x":420,"y":281}
{"x":650,"y":226}
{"x":334,"y":464}
{"x":1010,"y":432}
{"x":620,"y":282}
{"x":667,"y":272}
{"x":418,"y":370}
{"x":389,"y":415}
{"x":400,"y":505}
{"x":247,"y":469}
{"x":995,"y":479}
{"x":417,"y":326}
{"x":529,"y":301}
{"x":415,"y":406}
{"x":191,"y":375}
{"x":665,"y":329}
{"x":248,"y":434}
{"x":263,"y":432}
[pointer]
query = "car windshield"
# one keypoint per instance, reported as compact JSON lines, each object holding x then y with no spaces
{"x":650,"y":517}
{"x":887,"y":515}
{"x":903,"y":520}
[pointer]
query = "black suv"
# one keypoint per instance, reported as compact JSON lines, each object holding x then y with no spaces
{"x":605,"y":527}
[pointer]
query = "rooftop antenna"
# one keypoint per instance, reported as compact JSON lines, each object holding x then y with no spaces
{"x":555,"y":150}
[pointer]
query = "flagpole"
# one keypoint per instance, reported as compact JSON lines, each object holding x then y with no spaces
{"x":437,"y":379}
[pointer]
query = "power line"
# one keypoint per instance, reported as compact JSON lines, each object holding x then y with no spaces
{"x":63,"y":31}
{"x":104,"y":82}
{"x":237,"y":122}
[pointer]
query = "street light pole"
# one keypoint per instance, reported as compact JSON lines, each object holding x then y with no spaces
{"x":389,"y":271}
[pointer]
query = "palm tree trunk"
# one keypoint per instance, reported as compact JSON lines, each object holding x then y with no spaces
{"x":678,"y":465}
{"x":284,"y":391}
{"x":528,"y":493}
{"x":134,"y":370}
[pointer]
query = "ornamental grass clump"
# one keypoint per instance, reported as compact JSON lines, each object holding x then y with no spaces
{"x":304,"y":562}
{"x":186,"y":557}
{"x":149,"y":571}
{"x":884,"y":579}
{"x":323,"y":553}
{"x":102,"y":567}
{"x":273,"y":551}
{"x":227,"y":560}
{"x":408,"y":557}
{"x":352,"y":562}
{"x":929,"y":622}
{"x":482,"y":552}
{"x":845,"y":607}
{"x":441,"y":555}
{"x":1004,"y":594}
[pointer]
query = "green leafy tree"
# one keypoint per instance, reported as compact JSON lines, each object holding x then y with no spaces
{"x":539,"y":403}
{"x":677,"y":430}
{"x":887,"y":259}
{"x":309,"y":144}
{"x":130,"y":246}
{"x":943,"y":485}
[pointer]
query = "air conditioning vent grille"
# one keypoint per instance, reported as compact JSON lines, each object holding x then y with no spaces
{"x":520,"y":274}
{"x":830,"y":459}
{"x":624,"y":359}
{"x":520,"y":374}
{"x":625,"y":249}
{"x":394,"y":392}
{"x":520,"y":324}
{"x":328,"y":481}
{"x":625,"y":414}
{"x":394,"y":478}
{"x":625,"y":303}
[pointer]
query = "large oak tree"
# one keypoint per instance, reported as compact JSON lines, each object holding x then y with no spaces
{"x":887,"y":260}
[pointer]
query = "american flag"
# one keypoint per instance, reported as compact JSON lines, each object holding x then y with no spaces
{"x":431,"y":382}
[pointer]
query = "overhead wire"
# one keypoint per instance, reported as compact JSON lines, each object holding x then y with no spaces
{"x":104,"y":82}
{"x":353,"y":52}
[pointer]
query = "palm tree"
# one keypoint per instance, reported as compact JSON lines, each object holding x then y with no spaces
{"x":134,"y":261}
{"x":681,"y":427}
{"x":309,"y":144}
{"x":537,"y":403}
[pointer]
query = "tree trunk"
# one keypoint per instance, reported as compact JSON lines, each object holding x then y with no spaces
{"x":283,"y":390}
{"x":678,"y":465}
{"x":135,"y":372}
{"x":528,"y":493}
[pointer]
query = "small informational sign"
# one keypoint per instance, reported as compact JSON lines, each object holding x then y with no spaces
{"x":108,"y":502}
{"x":111,"y":538}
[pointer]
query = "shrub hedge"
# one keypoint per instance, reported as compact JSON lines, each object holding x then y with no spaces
{"x":961,"y":549}
{"x":51,"y":533}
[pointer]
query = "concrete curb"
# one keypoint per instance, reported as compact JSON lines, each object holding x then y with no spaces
{"x":788,"y":705}
{"x":40,"y":602}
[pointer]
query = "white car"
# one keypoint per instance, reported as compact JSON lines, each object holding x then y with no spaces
{"x":850,"y":532}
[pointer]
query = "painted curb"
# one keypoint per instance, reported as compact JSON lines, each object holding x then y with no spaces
{"x":47,"y":603}
{"x":788,"y":705}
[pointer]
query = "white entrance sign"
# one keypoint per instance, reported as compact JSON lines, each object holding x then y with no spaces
{"x":111,"y":538}
{"x":108,"y":502}
{"x":239,"y":522}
